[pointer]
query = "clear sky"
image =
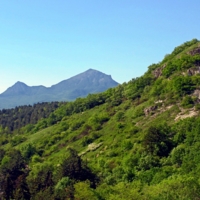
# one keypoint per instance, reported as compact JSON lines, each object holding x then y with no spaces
{"x":43,"y":42}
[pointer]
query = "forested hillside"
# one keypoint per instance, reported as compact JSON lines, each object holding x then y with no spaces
{"x":139,"y":140}
{"x":18,"y":117}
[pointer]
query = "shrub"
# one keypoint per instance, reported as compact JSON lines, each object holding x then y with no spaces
{"x":36,"y":158}
{"x":17,"y":140}
{"x":187,"y":102}
{"x":157,"y":140}
{"x":28,"y":151}
{"x":119,"y":116}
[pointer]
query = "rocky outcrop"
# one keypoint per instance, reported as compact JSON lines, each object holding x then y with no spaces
{"x":197,"y":93}
{"x":159,"y":101}
{"x":149,"y":110}
{"x":186,"y":113}
{"x":158,"y":72}
{"x":195,"y":51}
{"x":91,"y":147}
{"x":193,"y":71}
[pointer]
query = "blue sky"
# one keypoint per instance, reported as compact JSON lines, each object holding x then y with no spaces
{"x":47,"y":41}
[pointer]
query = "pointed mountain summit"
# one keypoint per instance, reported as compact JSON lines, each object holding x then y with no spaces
{"x":20,"y":88}
{"x":88,"y":82}
{"x":17,"y":89}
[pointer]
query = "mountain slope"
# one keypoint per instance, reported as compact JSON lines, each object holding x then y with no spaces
{"x":140,"y":140}
{"x":90,"y":81}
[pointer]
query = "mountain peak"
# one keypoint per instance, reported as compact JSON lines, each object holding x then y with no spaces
{"x":19,"y":83}
{"x":93,"y":70}
{"x":95,"y":74}
{"x":18,"y":88}
{"x":88,"y":82}
{"x":90,"y":69}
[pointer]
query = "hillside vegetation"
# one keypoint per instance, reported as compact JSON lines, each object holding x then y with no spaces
{"x":139,"y":140}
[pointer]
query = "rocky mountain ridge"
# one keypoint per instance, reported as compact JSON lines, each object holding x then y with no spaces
{"x":90,"y":81}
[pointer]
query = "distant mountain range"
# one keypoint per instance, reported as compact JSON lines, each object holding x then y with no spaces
{"x":88,"y":82}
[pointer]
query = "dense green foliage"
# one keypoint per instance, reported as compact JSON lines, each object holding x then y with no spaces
{"x":18,"y":117}
{"x":139,"y":140}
